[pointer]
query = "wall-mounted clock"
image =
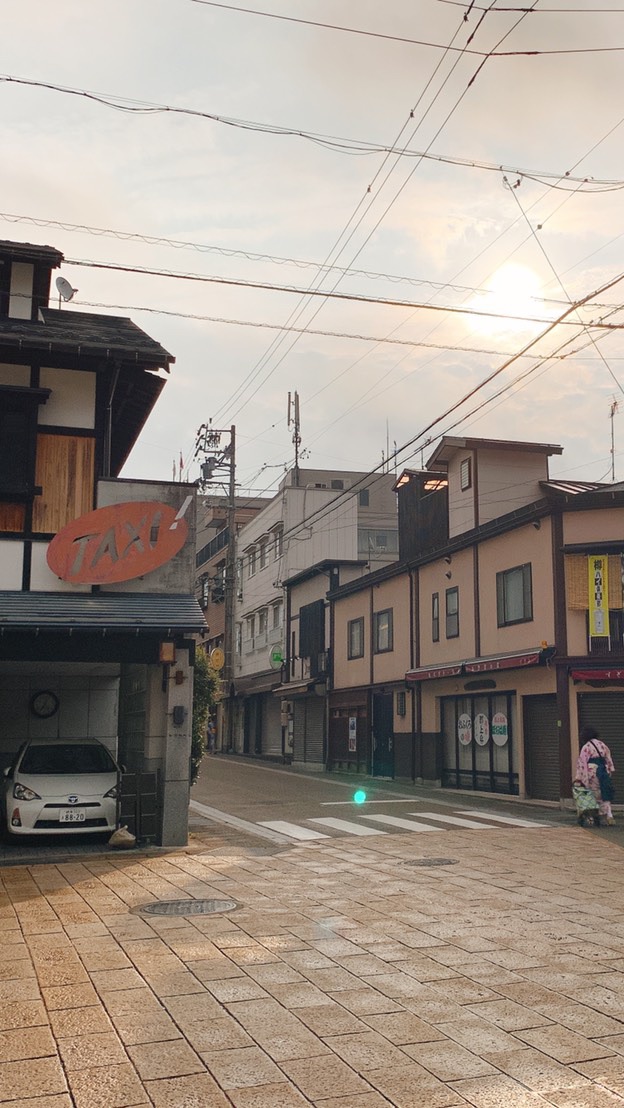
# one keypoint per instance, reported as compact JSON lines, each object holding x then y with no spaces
{"x":44,"y":703}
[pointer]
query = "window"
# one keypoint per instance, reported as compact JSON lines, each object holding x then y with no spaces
{"x":251,"y":628}
{"x":239,"y":638}
{"x":251,"y":554}
{"x":239,"y":578}
{"x":355,"y":638}
{"x":401,"y":703}
{"x":452,"y":613}
{"x":514,"y":600}
{"x":263,"y":554}
{"x":435,"y":617}
{"x":363,"y":498}
{"x":337,"y":484}
{"x":382,"y":631}
{"x":263,"y":619}
{"x":278,"y":539}
{"x":277,"y":615}
{"x":18,"y":429}
{"x":465,"y":475}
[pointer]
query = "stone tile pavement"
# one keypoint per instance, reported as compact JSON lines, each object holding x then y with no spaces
{"x":347,"y":977}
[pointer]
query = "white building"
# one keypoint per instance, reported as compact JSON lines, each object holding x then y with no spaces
{"x":316,"y":516}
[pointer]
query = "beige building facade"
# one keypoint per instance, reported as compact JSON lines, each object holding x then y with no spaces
{"x":507,"y":628}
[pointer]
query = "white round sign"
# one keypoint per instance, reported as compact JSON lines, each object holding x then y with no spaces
{"x":500,"y":729}
{"x":464,"y":729}
{"x":481,"y":729}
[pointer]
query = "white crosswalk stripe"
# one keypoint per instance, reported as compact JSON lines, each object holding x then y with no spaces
{"x":455,"y":821}
{"x":292,"y":829}
{"x":348,"y":827}
{"x":405,"y":824}
{"x":440,"y":821}
{"x":504,"y":819}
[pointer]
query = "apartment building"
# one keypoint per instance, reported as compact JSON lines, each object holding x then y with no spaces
{"x":317,"y":517}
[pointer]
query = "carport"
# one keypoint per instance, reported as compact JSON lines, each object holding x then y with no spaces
{"x":119,"y":669}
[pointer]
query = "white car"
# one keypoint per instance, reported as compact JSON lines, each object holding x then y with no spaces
{"x":59,"y":786}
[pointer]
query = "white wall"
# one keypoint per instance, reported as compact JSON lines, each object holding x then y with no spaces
{"x":20,"y":297}
{"x":11,"y":561}
{"x":72,"y":403}
{"x":14,"y":374}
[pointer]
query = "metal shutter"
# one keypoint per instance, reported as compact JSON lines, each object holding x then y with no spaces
{"x":541,"y":747}
{"x":605,"y":712}
{"x":309,"y":719}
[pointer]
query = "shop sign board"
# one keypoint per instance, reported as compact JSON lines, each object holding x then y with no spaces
{"x":481,"y":729}
{"x":500,"y":729}
{"x":119,"y":542}
{"x":464,"y":729}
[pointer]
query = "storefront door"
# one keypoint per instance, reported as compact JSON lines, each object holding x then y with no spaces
{"x":479,"y":743}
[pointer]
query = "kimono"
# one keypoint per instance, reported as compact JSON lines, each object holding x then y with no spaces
{"x":586,"y":772}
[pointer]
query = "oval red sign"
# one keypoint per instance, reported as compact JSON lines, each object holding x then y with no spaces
{"x":118,"y":543}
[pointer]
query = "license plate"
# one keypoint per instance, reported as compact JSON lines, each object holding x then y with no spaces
{"x":72,"y":815}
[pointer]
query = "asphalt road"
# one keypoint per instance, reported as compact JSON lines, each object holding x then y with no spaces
{"x":284,"y":805}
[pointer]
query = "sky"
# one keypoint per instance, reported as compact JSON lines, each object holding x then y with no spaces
{"x":461,"y":162}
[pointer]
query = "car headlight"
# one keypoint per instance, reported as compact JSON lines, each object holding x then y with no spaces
{"x":20,"y":792}
{"x":112,"y":794}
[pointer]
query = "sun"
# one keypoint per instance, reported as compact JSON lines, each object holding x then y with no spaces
{"x":510,"y":294}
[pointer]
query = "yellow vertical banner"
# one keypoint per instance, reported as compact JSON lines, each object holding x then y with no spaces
{"x":598,"y":565}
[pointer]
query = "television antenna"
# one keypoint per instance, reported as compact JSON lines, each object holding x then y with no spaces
{"x":65,"y":290}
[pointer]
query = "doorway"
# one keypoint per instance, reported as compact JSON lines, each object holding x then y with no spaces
{"x":383,"y":735}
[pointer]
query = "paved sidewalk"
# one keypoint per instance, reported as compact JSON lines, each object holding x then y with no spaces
{"x":348,"y":977}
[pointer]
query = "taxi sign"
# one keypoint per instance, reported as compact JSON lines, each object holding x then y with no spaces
{"x":118,"y":542}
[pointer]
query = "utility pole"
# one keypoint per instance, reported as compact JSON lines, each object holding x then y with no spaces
{"x":218,"y":448}
{"x":293,"y":405}
{"x":613,"y":410}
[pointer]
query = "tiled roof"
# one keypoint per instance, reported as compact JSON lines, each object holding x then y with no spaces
{"x":570,"y":488}
{"x":100,"y":612}
{"x":30,"y":252}
{"x":61,"y":331}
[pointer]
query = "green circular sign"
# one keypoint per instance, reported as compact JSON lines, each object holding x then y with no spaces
{"x":276,"y":658}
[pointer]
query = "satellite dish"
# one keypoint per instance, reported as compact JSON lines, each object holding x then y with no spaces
{"x":65,"y":290}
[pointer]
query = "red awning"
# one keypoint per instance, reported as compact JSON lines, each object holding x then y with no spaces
{"x":612,"y":674}
{"x":477,"y":665}
{"x":427,"y":673}
{"x":503,"y":661}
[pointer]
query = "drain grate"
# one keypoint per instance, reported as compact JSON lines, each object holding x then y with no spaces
{"x":187,"y":907}
{"x":434,"y":862}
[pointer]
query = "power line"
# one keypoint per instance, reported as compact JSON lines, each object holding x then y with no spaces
{"x":441,"y":127}
{"x":264,"y":286}
{"x":485,"y":381}
{"x":403,"y":38}
{"x":330,"y":142}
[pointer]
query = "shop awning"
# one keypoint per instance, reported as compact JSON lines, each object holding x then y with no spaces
{"x":293,"y":688}
{"x":478,"y":665}
{"x":503,"y":661}
{"x":256,"y":683}
{"x":611,"y":674}
{"x":99,"y":613}
{"x":428,"y":673}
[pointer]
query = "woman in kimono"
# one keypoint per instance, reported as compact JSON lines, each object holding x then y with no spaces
{"x":593,"y":750}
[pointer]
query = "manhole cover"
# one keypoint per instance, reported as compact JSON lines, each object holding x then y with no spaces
{"x":434,"y":862}
{"x":187,"y":907}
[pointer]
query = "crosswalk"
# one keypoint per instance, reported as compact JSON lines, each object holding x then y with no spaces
{"x":416,"y":822}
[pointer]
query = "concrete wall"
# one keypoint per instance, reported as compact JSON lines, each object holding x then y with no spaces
{"x":88,"y":706}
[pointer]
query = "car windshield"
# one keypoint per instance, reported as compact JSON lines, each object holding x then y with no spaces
{"x":67,"y":759}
